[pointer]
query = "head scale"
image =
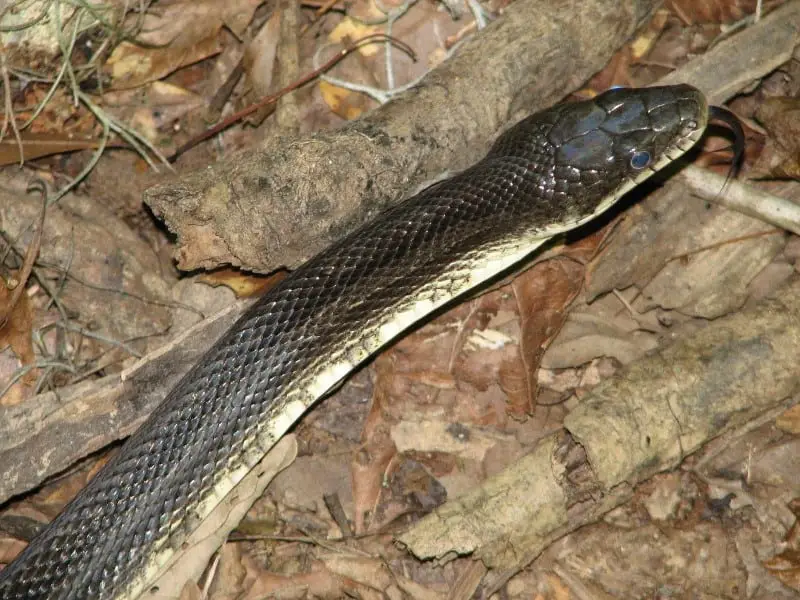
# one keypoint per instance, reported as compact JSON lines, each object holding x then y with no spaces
{"x":598,"y":149}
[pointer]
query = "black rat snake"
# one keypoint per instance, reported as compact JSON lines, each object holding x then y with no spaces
{"x":548,"y":174}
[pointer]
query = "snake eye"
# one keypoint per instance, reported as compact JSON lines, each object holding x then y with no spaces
{"x":640,"y":159}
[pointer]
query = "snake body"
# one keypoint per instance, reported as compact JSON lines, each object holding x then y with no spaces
{"x":546,"y":175}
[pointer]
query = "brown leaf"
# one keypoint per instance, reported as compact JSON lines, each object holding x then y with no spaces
{"x":370,"y":462}
{"x":16,"y":333}
{"x":319,"y":583}
{"x":10,"y":549}
{"x":785,"y":567}
{"x":154,"y":109}
{"x":616,"y":72}
{"x":781,"y":118}
{"x":346,"y":104}
{"x":36,"y":145}
{"x":181,"y":33}
{"x":259,"y":63}
{"x":789,"y":421}
{"x":711,"y":11}
{"x":641,"y":45}
{"x":543,"y":294}
{"x":618,"y":69}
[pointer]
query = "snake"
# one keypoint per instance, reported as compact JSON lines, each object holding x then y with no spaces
{"x":550,"y":173}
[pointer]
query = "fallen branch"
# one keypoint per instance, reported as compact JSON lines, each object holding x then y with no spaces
{"x":293,"y":196}
{"x":645,"y":419}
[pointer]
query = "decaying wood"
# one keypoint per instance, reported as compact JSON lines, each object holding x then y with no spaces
{"x":46,"y":434}
{"x":285,"y":201}
{"x":645,"y":419}
{"x":735,"y":63}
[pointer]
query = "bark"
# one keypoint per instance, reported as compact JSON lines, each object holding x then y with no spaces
{"x":282,"y":203}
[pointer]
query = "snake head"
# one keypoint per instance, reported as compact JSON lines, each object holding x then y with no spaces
{"x":626,"y":134}
{"x":581,"y":157}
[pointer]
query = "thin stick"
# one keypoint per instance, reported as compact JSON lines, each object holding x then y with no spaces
{"x":30,"y":259}
{"x":227,"y":122}
{"x":326,"y":6}
{"x":735,"y":240}
{"x":10,"y":118}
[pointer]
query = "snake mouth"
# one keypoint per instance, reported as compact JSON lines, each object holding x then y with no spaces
{"x":697,"y":130}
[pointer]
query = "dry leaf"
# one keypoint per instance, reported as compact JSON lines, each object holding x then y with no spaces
{"x":351,"y":29}
{"x":789,"y":421}
{"x":641,"y":46}
{"x":543,"y":294}
{"x":36,"y":145}
{"x":346,"y":104}
{"x":242,"y":284}
{"x":10,"y":549}
{"x":259,"y":64}
{"x":179,"y":33}
{"x":370,"y":462}
{"x":154,"y":108}
{"x":781,"y":156}
{"x":711,"y":11}
{"x":16,"y":333}
{"x":786,"y":567}
{"x":319,"y":583}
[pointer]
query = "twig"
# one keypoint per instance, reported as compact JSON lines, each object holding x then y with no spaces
{"x":45,"y":285}
{"x":339,"y":7}
{"x":631,"y":311}
{"x":477,"y":11}
{"x":307,"y":538}
{"x":736,"y":240}
{"x":391,"y":16}
{"x":30,"y":257}
{"x":22,"y":26}
{"x":123,"y":293}
{"x":379,"y":95}
{"x":225,"y":90}
{"x":86,"y":170}
{"x":317,"y":72}
{"x":210,"y":575}
{"x":68,"y":46}
{"x":62,"y":277}
{"x":136,"y":140}
{"x":319,"y":13}
{"x":22,"y":371}
{"x":9,"y":118}
{"x":96,"y":336}
{"x":743,"y":198}
{"x":65,"y":65}
{"x":334,"y":504}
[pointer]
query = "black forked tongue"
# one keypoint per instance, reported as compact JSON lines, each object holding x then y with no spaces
{"x":723,"y":115}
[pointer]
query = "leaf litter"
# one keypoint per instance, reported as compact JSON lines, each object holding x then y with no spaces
{"x":469,"y":393}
